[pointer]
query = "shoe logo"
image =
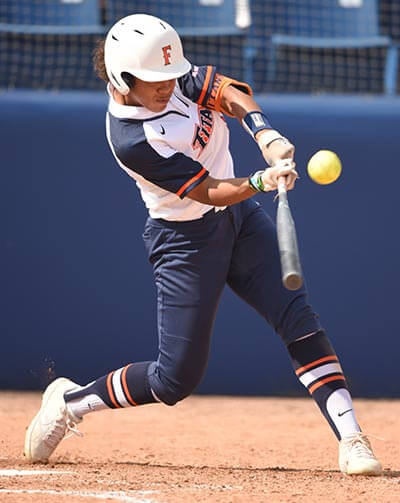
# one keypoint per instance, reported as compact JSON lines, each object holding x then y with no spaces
{"x":162,"y":130}
{"x":340,"y":414}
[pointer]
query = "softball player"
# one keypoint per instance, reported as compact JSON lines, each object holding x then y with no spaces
{"x":166,"y":129}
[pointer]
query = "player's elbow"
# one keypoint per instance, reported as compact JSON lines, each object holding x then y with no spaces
{"x":200,"y":193}
{"x":209,"y":192}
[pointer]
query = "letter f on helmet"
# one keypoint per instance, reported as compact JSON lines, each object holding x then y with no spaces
{"x":141,"y":45}
{"x":167,"y":54}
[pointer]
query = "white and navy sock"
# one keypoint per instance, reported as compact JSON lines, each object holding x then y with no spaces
{"x":125,"y":387}
{"x":318,"y":369}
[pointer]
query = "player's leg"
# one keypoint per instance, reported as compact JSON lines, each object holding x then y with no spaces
{"x":190,"y":274}
{"x":317,"y":366}
{"x":188,"y":292}
{"x":255,"y":276}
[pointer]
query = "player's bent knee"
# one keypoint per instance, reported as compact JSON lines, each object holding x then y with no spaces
{"x":172,"y":385}
{"x":173,"y":396}
{"x":172,"y":392}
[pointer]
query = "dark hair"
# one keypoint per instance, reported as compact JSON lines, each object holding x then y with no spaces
{"x":98,"y":60}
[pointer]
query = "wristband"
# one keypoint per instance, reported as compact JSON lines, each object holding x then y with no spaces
{"x":255,"y":121}
{"x":256,"y":183}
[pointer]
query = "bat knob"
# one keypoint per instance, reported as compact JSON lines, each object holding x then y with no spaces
{"x":293,"y":281}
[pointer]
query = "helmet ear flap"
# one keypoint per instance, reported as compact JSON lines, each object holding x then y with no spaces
{"x":121,"y":86}
{"x":128,"y":78}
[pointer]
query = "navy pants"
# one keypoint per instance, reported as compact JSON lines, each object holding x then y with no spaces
{"x":192,"y":262}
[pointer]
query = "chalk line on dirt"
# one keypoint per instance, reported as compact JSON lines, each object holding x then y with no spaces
{"x":110,"y":495}
{"x":19,"y":473}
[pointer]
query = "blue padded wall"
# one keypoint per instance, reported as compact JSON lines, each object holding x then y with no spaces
{"x":77,"y":295}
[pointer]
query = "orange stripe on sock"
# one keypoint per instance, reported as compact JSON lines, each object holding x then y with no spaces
{"x":192,"y":180}
{"x":205,"y":86}
{"x":331,"y":358}
{"x":111,"y":391}
{"x":324,"y":381}
{"x":125,"y":386}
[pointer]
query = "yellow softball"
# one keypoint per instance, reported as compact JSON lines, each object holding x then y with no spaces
{"x":324,"y":167}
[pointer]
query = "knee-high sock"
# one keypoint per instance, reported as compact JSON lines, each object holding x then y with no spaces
{"x":125,"y":387}
{"x":318,"y":368}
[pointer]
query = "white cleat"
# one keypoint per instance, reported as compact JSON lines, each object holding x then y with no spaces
{"x":50,"y":424}
{"x":356,"y":456}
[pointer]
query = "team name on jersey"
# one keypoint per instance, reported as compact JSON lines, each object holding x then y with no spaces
{"x":211,"y":102}
{"x":203,"y":130}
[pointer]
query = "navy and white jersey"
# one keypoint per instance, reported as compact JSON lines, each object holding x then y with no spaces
{"x":169,"y":153}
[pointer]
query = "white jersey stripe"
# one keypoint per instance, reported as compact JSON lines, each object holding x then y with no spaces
{"x":119,"y":392}
{"x":330,"y":368}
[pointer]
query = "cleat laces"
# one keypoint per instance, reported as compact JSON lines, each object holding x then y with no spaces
{"x":58,"y":429}
{"x":360,"y":445}
{"x":72,"y":430}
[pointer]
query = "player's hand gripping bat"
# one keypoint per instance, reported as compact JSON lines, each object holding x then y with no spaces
{"x":292,"y":276}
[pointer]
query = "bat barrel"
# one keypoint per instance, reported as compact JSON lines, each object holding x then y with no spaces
{"x":292,"y":276}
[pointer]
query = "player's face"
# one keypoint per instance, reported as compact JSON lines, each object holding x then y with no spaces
{"x":152,"y":95}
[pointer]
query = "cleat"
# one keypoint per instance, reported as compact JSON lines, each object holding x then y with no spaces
{"x":356,"y":456}
{"x":50,"y":424}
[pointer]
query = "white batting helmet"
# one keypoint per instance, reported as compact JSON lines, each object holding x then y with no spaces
{"x":146,"y":47}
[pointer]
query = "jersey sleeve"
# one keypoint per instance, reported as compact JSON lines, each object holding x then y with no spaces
{"x":204,"y":85}
{"x":164,"y":167}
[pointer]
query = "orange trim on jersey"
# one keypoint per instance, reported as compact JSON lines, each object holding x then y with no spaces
{"x":111,"y":391}
{"x":189,"y":182}
{"x":324,"y":381}
{"x":205,"y":85}
{"x":225,"y":82}
{"x":125,"y":386}
{"x":331,"y":358}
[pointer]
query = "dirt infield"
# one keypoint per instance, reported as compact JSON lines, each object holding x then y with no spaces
{"x":205,"y":449}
